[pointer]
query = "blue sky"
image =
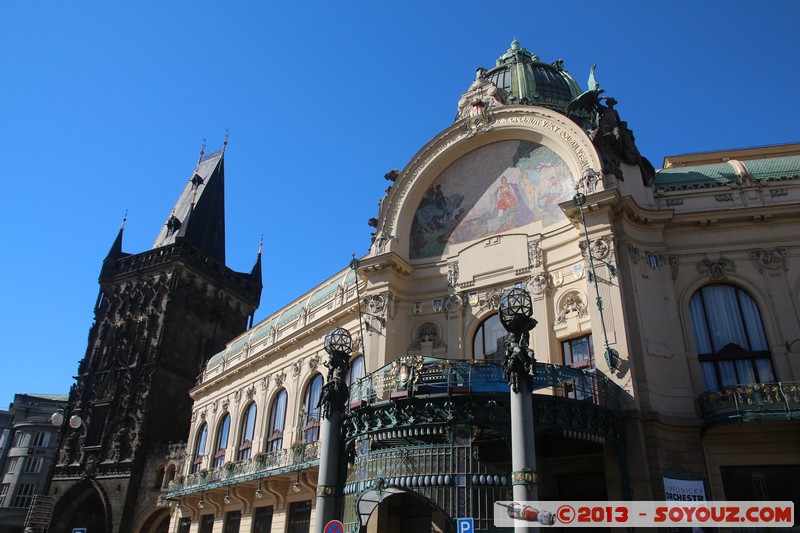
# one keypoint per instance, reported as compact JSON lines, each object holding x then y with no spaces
{"x":104,"y":107}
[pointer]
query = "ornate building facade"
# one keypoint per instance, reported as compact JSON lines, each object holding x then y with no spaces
{"x":159,"y":314}
{"x":667,"y":307}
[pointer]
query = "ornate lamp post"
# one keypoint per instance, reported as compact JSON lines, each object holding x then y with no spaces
{"x":516,"y":315}
{"x":339,"y":346}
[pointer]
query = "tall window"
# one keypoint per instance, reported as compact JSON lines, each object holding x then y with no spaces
{"x":33,"y":465}
{"x":277,"y":421}
{"x":25,"y":492}
{"x":207,"y":523}
{"x":262,"y":519}
{"x":730,"y":338}
{"x":248,"y":429}
{"x":299,"y":517}
{"x":22,"y":439}
{"x":41,"y":439}
{"x":222,"y":441}
{"x":356,"y":371}
{"x":489,"y":341}
{"x":578,"y":352}
{"x":3,"y":493}
{"x":200,"y":449}
{"x":12,"y":465}
{"x":311,"y":428}
{"x":232,"y":521}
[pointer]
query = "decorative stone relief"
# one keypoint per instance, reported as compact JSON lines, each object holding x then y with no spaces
{"x":380,"y":243}
{"x":428,"y":332}
{"x":674,"y":201}
{"x":452,"y":273}
{"x":633,"y":251}
{"x":588,"y":182}
{"x":453,"y":303}
{"x":535,"y":253}
{"x":600,"y":248}
{"x":539,"y":283}
{"x":280,"y":378}
{"x":572,"y":302}
{"x":377,"y":304}
{"x":214,"y":407}
{"x":728,"y":197}
{"x":237,"y":395}
{"x":296,"y":366}
{"x":774,"y":259}
{"x":778,"y":192}
{"x":492,"y":298}
{"x":225,"y":404}
{"x":673,"y":266}
{"x":264,"y":383}
{"x":203,"y":415}
{"x":313,"y":362}
{"x":716,"y":270}
{"x":250,"y":392}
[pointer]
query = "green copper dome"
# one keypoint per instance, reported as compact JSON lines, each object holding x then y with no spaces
{"x":526,"y":80}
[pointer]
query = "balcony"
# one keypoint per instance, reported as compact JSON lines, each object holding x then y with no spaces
{"x":416,"y":400}
{"x":750,"y":403}
{"x":298,"y":457}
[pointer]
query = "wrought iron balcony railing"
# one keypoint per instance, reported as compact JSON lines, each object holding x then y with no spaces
{"x":260,"y":466}
{"x":420,"y":375}
{"x":751,"y":402}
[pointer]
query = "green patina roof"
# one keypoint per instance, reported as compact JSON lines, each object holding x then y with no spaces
{"x":774,"y":168}
{"x":262,"y":331}
{"x":291,"y":313}
{"x":237,"y":346}
{"x":216,"y":359}
{"x":51,"y":397}
{"x":722,"y":174}
{"x":695,"y":177}
{"x":324,"y":294}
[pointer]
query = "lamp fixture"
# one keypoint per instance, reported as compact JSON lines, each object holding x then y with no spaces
{"x":200,"y":502}
{"x":297,"y":487}
{"x":227,"y":497}
{"x":259,"y":492}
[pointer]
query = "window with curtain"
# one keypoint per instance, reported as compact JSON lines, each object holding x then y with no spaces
{"x":311,"y":427}
{"x":489,"y":341}
{"x":200,"y":448}
{"x":356,"y":370}
{"x":277,"y":422}
{"x":222,"y":441}
{"x":729,"y":336}
{"x":248,"y":430}
{"x":578,"y":353}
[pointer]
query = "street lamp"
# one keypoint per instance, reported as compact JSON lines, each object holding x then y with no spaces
{"x":516,"y":316}
{"x":339,"y":345}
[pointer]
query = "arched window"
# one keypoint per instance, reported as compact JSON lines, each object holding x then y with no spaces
{"x":248,"y":429}
{"x":730,"y":338}
{"x":311,"y":427}
{"x":277,"y":421}
{"x":222,"y":440}
{"x":200,"y":448}
{"x":356,"y":371}
{"x":489,"y":342}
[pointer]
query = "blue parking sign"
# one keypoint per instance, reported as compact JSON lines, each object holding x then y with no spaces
{"x":465,"y":525}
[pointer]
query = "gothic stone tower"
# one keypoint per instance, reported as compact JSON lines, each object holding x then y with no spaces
{"x":158,"y":317}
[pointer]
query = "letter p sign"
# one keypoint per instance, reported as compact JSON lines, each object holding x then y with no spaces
{"x":465,"y":525}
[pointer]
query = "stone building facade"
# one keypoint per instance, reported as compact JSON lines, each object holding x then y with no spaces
{"x":26,"y":456}
{"x":159,"y":315}
{"x":667,"y":307}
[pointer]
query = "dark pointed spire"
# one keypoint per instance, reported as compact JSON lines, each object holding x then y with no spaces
{"x":199,"y":213}
{"x":116,"y":249}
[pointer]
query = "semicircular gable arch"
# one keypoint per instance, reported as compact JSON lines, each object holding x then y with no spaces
{"x":522,"y":124}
